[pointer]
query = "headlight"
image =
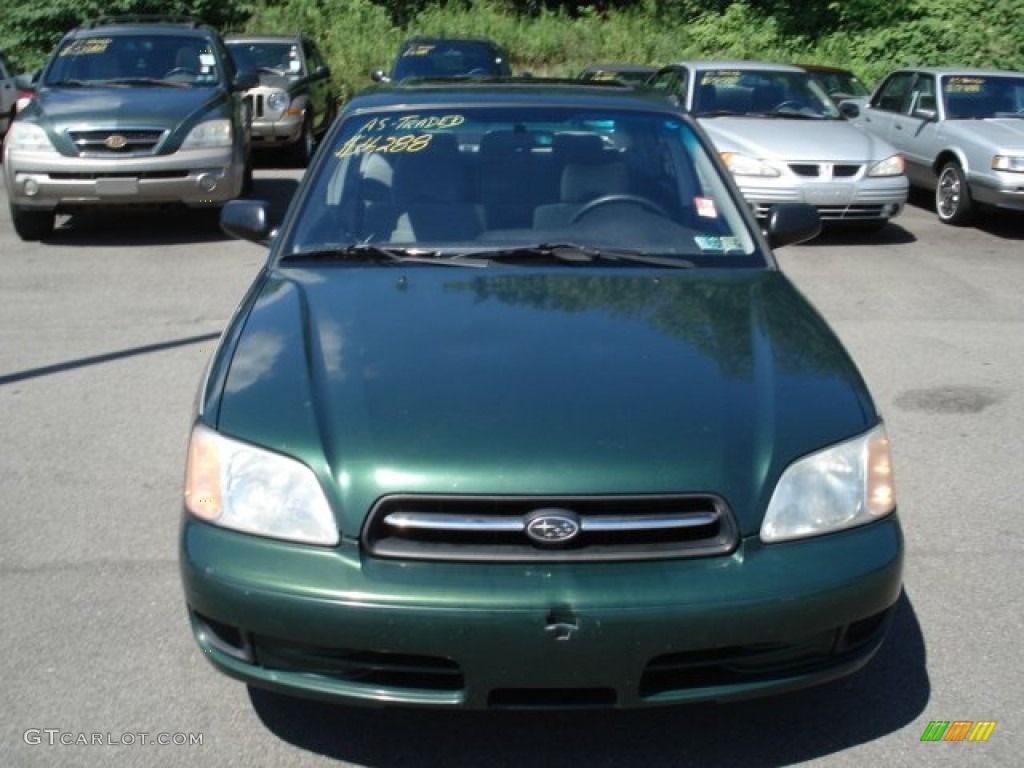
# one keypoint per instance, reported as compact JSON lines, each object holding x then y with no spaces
{"x":30,"y":137}
{"x":212,"y":133}
{"x":741,"y":165}
{"x":1013,"y":163}
{"x":891,"y":166}
{"x":277,"y":101}
{"x":235,"y":485}
{"x":840,"y":487}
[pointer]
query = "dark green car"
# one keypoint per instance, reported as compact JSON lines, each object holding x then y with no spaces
{"x":521,"y":412}
{"x":129,"y":112}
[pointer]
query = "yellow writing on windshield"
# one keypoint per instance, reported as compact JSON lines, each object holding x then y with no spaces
{"x":86,"y":47}
{"x":964,"y":85}
{"x":418,"y":50}
{"x":720,"y":77}
{"x":361,"y":144}
{"x":411,"y":123}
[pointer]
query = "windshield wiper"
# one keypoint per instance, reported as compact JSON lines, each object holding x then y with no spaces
{"x":71,"y":84}
{"x":572,"y":253}
{"x":367,"y":252}
{"x":144,"y":81}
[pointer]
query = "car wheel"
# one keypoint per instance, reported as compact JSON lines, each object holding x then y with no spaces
{"x":953,"y":197}
{"x":302,"y":150}
{"x":32,"y":225}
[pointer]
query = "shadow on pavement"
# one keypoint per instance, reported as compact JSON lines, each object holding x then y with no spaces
{"x":885,"y":696}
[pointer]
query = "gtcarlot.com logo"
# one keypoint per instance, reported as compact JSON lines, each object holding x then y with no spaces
{"x":54,"y":736}
{"x":958,"y":730}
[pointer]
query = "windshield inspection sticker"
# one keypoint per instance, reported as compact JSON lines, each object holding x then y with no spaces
{"x":716,"y":244}
{"x":705,"y":207}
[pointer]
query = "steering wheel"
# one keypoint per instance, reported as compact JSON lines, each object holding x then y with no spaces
{"x":789,"y":104}
{"x":598,"y":202}
{"x":179,"y":71}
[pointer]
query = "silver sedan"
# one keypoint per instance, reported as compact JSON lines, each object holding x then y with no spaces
{"x":961,"y":130}
{"x":785,"y":141}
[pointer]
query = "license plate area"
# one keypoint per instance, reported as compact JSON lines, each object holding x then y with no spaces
{"x":828,"y":194}
{"x":119,"y":187}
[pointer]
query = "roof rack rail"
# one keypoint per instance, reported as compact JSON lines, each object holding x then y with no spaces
{"x":142,"y":18}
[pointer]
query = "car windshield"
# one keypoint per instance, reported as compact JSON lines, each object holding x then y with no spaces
{"x":761,"y":93}
{"x":623,"y":75}
{"x":468,"y":182}
{"x":279,"y":57}
{"x":134,"y":59}
{"x":449,"y":59}
{"x":972,"y":97}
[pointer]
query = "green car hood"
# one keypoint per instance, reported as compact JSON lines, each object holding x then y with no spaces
{"x":444,"y":380}
{"x":176,"y":110}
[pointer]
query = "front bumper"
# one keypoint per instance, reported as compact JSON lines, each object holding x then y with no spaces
{"x":330,"y":624}
{"x":866,"y":199}
{"x":195,"y":178}
{"x":1000,"y":189}
{"x":276,"y":133}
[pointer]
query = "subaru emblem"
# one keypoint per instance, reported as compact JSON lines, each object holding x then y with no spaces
{"x":552,"y":527}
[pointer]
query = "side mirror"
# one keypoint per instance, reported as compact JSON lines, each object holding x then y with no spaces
{"x":790,"y":223}
{"x":245,"y":80}
{"x":925,"y":114}
{"x":322,"y":71}
{"x":247,"y":220}
{"x":849,"y":109}
{"x":378,"y":76}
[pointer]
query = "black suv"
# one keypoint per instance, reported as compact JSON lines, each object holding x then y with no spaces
{"x":129,"y":111}
{"x":441,"y":58}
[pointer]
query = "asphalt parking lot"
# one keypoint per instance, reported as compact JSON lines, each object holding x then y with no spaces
{"x":104,"y":332}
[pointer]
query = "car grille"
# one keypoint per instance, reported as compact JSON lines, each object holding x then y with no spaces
{"x":256,"y":104}
{"x":833,"y":212}
{"x":821,"y":170}
{"x":117,"y":142}
{"x":485,"y":528}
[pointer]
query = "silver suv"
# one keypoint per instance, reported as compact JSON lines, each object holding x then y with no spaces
{"x":129,"y":112}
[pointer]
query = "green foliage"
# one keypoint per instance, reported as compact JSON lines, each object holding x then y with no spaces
{"x":29,"y":29}
{"x":560,"y":37}
{"x":354,"y":36}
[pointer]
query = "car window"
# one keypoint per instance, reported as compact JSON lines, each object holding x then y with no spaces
{"x":974,"y":97}
{"x":671,"y":81}
{"x":188,"y":60}
{"x":472,"y":179}
{"x":923,"y":94}
{"x":892,"y":96}
{"x":448,"y":59}
{"x":841,"y":84}
{"x":280,"y":57}
{"x":761,"y":93}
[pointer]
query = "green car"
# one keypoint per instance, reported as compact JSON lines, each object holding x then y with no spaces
{"x":129,"y":112}
{"x":521,"y":412}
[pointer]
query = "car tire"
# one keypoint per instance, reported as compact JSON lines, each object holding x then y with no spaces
{"x":953,"y":202}
{"x":31,"y":224}
{"x":302,"y":150}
